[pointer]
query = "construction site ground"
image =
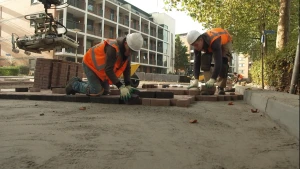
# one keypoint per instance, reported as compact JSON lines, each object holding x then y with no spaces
{"x":45,"y":134}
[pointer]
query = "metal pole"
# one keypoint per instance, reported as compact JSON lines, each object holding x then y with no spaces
{"x":76,"y":49}
{"x":295,"y":75}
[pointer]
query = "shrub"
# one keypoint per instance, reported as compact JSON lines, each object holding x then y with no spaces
{"x":9,"y":71}
{"x":24,"y":70}
{"x":278,"y":69}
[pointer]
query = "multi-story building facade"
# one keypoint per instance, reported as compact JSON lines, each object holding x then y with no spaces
{"x":92,"y":21}
{"x":190,"y":49}
{"x":240,"y":64}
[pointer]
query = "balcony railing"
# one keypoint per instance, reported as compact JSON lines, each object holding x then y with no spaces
{"x":94,"y":30}
{"x":124,"y":21}
{"x":152,"y":61}
{"x":134,"y":58}
{"x":77,"y":3}
{"x":145,"y":30}
{"x":144,"y":59}
{"x":152,"y":47}
{"x":152,"y":32}
{"x":160,"y":49}
{"x":72,"y":25}
{"x":95,"y":9}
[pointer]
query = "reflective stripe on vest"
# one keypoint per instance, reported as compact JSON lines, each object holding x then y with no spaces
{"x":100,"y":67}
{"x":214,"y":34}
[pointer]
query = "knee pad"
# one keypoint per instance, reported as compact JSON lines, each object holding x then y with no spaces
{"x":206,"y":59}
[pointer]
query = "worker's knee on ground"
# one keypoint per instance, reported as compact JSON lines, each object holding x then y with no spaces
{"x":206,"y":61}
{"x":96,"y":90}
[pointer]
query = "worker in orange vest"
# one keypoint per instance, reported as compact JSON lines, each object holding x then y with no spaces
{"x":237,"y":78}
{"x":104,"y":63}
{"x":216,"y":45}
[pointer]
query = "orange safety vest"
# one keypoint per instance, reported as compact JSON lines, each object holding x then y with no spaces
{"x":95,"y":59}
{"x":215,"y":33}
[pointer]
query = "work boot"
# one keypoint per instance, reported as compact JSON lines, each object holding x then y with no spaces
{"x":69,"y":86}
{"x":221,"y":91}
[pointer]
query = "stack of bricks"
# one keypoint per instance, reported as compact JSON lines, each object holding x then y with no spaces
{"x":52,"y":73}
{"x":42,"y":74}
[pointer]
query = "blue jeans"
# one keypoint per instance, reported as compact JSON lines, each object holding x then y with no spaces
{"x":94,"y":85}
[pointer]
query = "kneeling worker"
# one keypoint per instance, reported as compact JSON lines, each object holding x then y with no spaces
{"x":104,"y":63}
{"x":216,"y":45}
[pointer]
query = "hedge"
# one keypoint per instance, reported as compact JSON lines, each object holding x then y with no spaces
{"x":9,"y":71}
{"x":278,"y":69}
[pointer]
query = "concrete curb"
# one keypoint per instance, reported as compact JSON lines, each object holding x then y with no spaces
{"x":283,"y":108}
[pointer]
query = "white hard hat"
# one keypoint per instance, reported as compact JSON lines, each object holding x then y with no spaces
{"x":135,"y":41}
{"x":192,"y":36}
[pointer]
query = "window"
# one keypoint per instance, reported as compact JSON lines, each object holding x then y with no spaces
{"x":90,"y":7}
{"x":241,"y":71}
{"x":90,"y":24}
{"x":111,"y":32}
{"x":112,"y":14}
{"x":241,"y":65}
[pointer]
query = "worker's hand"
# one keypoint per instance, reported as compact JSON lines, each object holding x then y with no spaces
{"x":124,"y":93}
{"x":210,"y":83}
{"x":194,"y":84}
{"x":132,"y":89}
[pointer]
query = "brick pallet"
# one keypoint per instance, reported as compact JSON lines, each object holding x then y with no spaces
{"x":53,"y":73}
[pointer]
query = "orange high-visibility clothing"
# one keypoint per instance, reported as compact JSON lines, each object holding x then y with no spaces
{"x":95,"y":59}
{"x":215,"y":33}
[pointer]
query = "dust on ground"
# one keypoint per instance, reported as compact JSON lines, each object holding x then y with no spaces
{"x":42,"y":135}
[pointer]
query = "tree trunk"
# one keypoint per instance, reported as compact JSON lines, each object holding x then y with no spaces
{"x":283,"y":24}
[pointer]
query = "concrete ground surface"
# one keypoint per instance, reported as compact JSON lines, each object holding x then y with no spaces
{"x":43,"y":135}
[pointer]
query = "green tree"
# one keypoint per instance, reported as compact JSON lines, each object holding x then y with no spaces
{"x":244,"y":19}
{"x":181,"y":56}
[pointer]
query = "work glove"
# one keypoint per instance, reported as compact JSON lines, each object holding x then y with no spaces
{"x":132,"y":89}
{"x":124,"y":93}
{"x":210,"y":83}
{"x":194,"y":84}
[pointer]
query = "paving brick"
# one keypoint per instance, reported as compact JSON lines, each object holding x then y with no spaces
{"x":34,"y":89}
{"x":147,"y":94}
{"x":110,"y":99}
{"x":227,"y":97}
{"x":160,"y":102}
{"x":186,"y":92}
{"x":134,"y":100}
{"x":154,"y":89}
{"x":59,"y":90}
{"x":173,"y":102}
{"x":164,"y":95}
{"x":192,"y":99}
{"x":221,"y":98}
{"x":240,"y":97}
{"x":183,"y":102}
{"x":77,"y":98}
{"x":208,"y":98}
{"x":21,"y":89}
{"x":234,"y":97}
{"x":176,"y":91}
{"x":114,"y":92}
{"x":146,"y":101}
{"x":194,"y":92}
{"x":211,"y":90}
{"x":165,"y":86}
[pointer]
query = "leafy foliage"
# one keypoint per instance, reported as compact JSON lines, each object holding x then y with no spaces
{"x":181,"y":56}
{"x":9,"y":71}
{"x":278,"y":69}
